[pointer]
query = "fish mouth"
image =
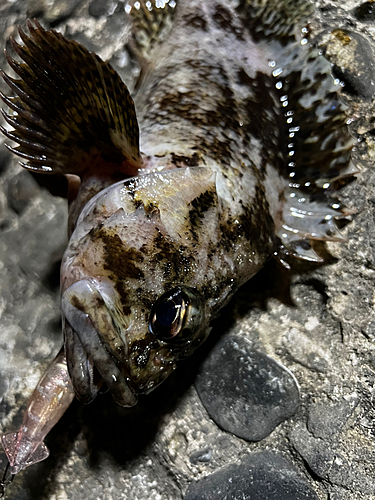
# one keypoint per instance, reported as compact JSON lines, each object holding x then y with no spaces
{"x":89,"y":334}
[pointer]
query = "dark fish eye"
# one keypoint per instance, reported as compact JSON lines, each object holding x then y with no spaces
{"x":173,"y":316}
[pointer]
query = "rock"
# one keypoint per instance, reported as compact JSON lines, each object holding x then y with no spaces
{"x":53,"y":12}
{"x":259,"y":476}
{"x":333,"y":461}
{"x":325,"y":420}
{"x":353,"y":59}
{"x":98,"y":8}
{"x":365,"y":11}
{"x":315,"y":451}
{"x":252,"y":395}
{"x":20,"y":192}
{"x":201,"y":456}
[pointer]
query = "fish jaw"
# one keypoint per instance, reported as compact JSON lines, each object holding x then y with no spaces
{"x":87,"y":320}
{"x":100,"y":341}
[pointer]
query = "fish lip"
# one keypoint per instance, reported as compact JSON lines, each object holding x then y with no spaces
{"x":86,"y":319}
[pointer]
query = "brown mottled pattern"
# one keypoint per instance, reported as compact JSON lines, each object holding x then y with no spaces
{"x":212,"y":103}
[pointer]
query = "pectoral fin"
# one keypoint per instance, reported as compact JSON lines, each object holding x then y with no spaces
{"x":72,"y":111}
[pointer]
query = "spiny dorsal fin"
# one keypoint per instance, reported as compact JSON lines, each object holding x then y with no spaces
{"x":151,"y":23}
{"x":73,"y":112}
{"x":277,"y":19}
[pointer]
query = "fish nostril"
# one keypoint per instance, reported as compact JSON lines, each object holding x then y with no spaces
{"x":140,"y":352}
{"x":141,"y":359}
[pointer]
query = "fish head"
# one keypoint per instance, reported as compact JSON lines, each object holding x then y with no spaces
{"x":140,"y":281}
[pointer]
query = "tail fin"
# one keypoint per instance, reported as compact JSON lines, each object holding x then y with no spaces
{"x":72,"y":111}
{"x":21,"y":452}
{"x":278,"y":19}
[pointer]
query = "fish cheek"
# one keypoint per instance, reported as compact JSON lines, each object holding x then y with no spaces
{"x":149,"y":364}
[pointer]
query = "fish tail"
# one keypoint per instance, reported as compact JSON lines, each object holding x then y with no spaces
{"x":70,"y":111}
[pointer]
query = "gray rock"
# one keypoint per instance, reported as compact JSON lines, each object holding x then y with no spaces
{"x":53,"y":12}
{"x":365,"y":12}
{"x":334,"y":462}
{"x":260,"y":476}
{"x":252,"y":395}
{"x":327,"y":419}
{"x":98,"y":8}
{"x":201,"y":456}
{"x":353,"y":60}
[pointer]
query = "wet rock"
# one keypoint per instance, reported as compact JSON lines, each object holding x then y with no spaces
{"x":315,"y":451}
{"x":20,"y":191}
{"x":252,"y":395}
{"x":201,"y":456}
{"x":260,"y":476}
{"x":353,"y":60}
{"x":98,"y":8}
{"x":335,"y":462}
{"x":52,"y":12}
{"x":305,"y":351}
{"x":365,"y":12}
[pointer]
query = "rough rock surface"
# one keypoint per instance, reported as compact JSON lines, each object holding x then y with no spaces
{"x":258,"y":476}
{"x":245,"y":391}
{"x":317,"y":321}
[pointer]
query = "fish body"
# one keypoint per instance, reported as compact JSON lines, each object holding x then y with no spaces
{"x":242,"y":132}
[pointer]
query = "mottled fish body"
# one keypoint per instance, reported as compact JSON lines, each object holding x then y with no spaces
{"x":242,"y":132}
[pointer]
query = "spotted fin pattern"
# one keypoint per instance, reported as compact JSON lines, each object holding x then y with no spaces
{"x":314,"y":142}
{"x":151,"y":23}
{"x":276,"y":20}
{"x":72,"y":111}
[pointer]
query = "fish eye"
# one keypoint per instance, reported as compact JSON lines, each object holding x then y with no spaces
{"x":176,"y":315}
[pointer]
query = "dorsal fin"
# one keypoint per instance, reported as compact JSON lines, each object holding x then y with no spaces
{"x":73,"y":113}
{"x":277,"y":19}
{"x":151,"y":23}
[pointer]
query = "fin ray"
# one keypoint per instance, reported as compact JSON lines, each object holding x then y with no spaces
{"x":313,"y":142}
{"x":69,"y":98}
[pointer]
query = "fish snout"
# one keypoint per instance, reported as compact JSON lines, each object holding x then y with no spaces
{"x":95,"y":351}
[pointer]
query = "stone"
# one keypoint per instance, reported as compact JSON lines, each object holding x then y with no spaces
{"x":98,"y":8}
{"x":201,"y":456}
{"x":53,"y":12}
{"x":259,"y":476}
{"x":353,"y":60}
{"x":252,"y":395}
{"x":325,"y":420}
{"x":365,"y":11}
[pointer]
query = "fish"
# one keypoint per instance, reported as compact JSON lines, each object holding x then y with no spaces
{"x":228,"y":154}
